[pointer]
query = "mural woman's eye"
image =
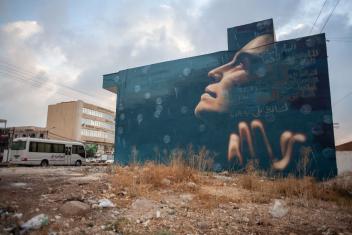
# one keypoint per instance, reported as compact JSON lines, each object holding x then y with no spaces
{"x":243,"y":61}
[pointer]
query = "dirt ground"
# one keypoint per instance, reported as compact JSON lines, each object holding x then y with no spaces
{"x":211,"y":203}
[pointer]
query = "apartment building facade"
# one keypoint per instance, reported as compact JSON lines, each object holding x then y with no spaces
{"x":84,"y":122}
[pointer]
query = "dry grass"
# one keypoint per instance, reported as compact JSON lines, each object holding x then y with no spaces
{"x":305,"y":188}
{"x":208,"y":201}
{"x":185,"y":167}
{"x":140,"y":180}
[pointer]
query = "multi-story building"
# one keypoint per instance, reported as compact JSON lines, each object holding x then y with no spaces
{"x":7,"y":135}
{"x":26,"y":131}
{"x":80,"y":121}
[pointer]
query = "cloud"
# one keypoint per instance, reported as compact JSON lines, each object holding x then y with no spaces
{"x":22,"y":29}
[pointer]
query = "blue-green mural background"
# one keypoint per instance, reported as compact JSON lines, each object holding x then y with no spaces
{"x":261,"y":100}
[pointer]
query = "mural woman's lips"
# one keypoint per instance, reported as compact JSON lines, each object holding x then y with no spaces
{"x":206,"y":96}
{"x":210,"y":92}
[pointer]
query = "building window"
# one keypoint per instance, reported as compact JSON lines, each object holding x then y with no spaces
{"x":97,"y":114}
{"x":42,"y":135}
{"x":90,"y":122}
{"x":97,"y":134}
{"x":33,"y":135}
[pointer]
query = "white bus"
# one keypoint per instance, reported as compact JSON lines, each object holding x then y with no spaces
{"x":44,"y":152}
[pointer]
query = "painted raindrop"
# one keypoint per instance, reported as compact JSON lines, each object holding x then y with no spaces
{"x":184,"y":109}
{"x":186,"y":71}
{"x":166,"y":139}
{"x":121,"y":107}
{"x":139,"y":118}
{"x":306,"y":109}
{"x":159,"y":108}
{"x":120,"y":130}
{"x":159,"y":100}
{"x":156,"y":114}
{"x":147,"y":95}
{"x":137,"y":88}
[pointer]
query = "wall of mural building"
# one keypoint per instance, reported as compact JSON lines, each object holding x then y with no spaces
{"x":262,"y":101}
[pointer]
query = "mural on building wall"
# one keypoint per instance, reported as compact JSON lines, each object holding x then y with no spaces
{"x":261,"y":101}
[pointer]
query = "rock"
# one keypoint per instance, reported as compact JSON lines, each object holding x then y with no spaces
{"x":158,"y":214}
{"x":203,"y":225}
{"x":165,"y":182}
{"x":329,"y":231}
{"x":105,"y":203}
{"x":223,"y":177}
{"x":191,"y":185}
{"x":171,"y":212}
{"x":74,"y":197}
{"x":115,"y":212}
{"x":224,"y":173}
{"x":143,"y":203}
{"x":245,"y":220}
{"x":122,"y":193}
{"x":91,"y":201}
{"x":186,"y":197}
{"x":74,"y":208}
{"x":36,"y":222}
{"x":18,"y":215}
{"x":146,"y":223}
{"x":19,"y":184}
{"x":57,"y":217}
{"x":278,"y":210}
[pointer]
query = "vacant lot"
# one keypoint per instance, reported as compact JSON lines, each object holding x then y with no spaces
{"x":169,"y":200}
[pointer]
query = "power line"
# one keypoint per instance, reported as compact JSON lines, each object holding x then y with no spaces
{"x":19,"y":70}
{"x":342,"y":41}
{"x":344,"y":97}
{"x":10,"y":70}
{"x":40,"y":84}
{"x":327,"y":20}
{"x":321,"y":9}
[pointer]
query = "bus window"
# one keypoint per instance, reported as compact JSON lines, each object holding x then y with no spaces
{"x":33,"y":147}
{"x":58,"y":148}
{"x":18,"y":145}
{"x":41,"y":147}
{"x":79,"y":149}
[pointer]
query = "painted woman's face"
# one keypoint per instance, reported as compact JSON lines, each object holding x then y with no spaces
{"x":238,"y":71}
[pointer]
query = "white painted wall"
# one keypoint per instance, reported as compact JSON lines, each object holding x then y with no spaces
{"x":343,"y":161}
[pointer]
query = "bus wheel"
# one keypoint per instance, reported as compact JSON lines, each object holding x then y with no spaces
{"x":44,"y":163}
{"x":78,"y":163}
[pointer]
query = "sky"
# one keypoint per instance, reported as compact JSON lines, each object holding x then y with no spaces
{"x":55,"y":51}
